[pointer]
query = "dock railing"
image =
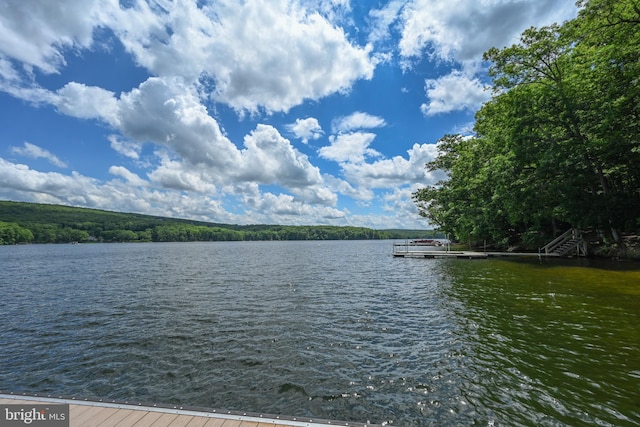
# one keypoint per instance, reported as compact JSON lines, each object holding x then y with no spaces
{"x":416,"y":248}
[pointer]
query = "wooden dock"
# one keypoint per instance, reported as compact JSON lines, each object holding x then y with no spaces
{"x":439,"y":254}
{"x":466,"y":254}
{"x":102,"y":413}
{"x":568,"y":244}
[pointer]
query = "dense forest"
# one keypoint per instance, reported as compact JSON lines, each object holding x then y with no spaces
{"x":558,"y":145}
{"x":41,"y":223}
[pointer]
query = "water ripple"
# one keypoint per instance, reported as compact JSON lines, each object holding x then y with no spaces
{"x":322,"y":329}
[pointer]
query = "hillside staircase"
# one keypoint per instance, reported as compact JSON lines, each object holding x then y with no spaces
{"x":570,"y":243}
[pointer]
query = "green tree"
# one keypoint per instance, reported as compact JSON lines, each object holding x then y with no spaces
{"x":11,"y":234}
{"x":558,"y":144}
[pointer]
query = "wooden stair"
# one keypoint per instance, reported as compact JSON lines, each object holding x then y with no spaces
{"x":570,"y":243}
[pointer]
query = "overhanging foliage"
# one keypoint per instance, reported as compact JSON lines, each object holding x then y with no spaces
{"x":558,"y":145}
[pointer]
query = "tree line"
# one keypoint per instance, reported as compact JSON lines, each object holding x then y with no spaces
{"x":558,"y":145}
{"x":41,"y":223}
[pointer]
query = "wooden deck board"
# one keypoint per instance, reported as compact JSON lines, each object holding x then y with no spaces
{"x":76,"y":411}
{"x":214,"y":422}
{"x":131,"y":418}
{"x":83,"y":413}
{"x":84,"y":418}
{"x":181,"y":421}
{"x":197,"y":422}
{"x":235,"y":423}
{"x":148,"y":419}
{"x":156,"y":419}
{"x":116,"y":418}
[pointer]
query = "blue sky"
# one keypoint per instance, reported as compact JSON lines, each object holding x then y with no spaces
{"x":262,"y":111}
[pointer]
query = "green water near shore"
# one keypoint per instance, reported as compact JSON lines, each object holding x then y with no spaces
{"x":562,"y":337}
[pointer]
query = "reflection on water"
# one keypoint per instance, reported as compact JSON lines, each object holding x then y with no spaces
{"x":552,"y":342}
{"x":335,"y":330}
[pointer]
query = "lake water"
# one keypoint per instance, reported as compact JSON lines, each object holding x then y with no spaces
{"x":337,"y":330}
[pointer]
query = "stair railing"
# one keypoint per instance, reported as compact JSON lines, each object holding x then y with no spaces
{"x":558,"y":241}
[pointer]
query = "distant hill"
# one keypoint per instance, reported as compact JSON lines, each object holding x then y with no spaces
{"x":22,"y":222}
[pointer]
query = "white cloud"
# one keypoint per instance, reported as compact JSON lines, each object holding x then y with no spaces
{"x":336,"y":11}
{"x":320,"y":194}
{"x":35,"y":152}
{"x":176,"y":175}
{"x":357,"y":121}
{"x":9,"y":76}
{"x":270,"y":54}
{"x":271,"y":159}
{"x":13,"y":83}
{"x":395,"y":172}
{"x":382,"y":19}
{"x":133,"y":194}
{"x":37,"y":33}
{"x":129,"y":176}
{"x":452,"y":92}
{"x":46,"y":186}
{"x":290,"y":211}
{"x":168,"y":112}
{"x":461,"y":30}
{"x":128,"y":149}
{"x":399,"y":202}
{"x":282,"y":55}
{"x":306,"y":129}
{"x":349,"y":147}
{"x":263,"y":54}
{"x":87,"y":102}
{"x":344,"y":187}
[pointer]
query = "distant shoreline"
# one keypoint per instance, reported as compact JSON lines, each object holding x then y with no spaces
{"x":22,"y":222}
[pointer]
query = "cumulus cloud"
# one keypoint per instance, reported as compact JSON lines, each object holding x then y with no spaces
{"x":87,"y":102}
{"x":128,"y":176}
{"x":269,"y":158}
{"x":37,"y":33}
{"x":356,"y":121}
{"x":397,"y":177}
{"x":349,"y":147}
{"x":48,"y":187}
{"x":265,"y":54}
{"x":399,"y":203}
{"x":176,"y":175}
{"x":269,"y":55}
{"x":282,"y":56}
{"x":452,"y":92}
{"x":35,"y":152}
{"x":397,"y":171}
{"x":306,"y":129}
{"x":130,"y":193}
{"x":168,"y":112}
{"x":320,"y":194}
{"x":342,"y":186}
{"x":351,"y":144}
{"x":291,"y":211}
{"x":461,"y":30}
